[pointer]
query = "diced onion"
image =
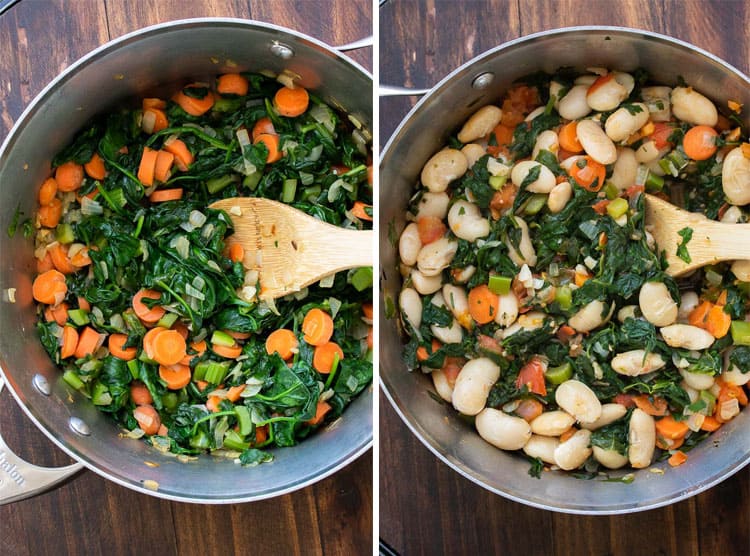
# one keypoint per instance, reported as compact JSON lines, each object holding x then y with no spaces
{"x":335,"y":305}
{"x":327,"y":281}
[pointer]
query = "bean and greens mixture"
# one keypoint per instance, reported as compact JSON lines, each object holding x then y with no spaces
{"x":535,"y":295}
{"x":153,"y":317}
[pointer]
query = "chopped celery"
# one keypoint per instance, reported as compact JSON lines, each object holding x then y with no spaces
{"x":200,"y":440}
{"x":362,"y":278}
{"x":535,"y":203}
{"x":559,"y":374}
{"x":215,"y":372}
{"x":227,"y":104}
{"x":617,"y":207}
{"x":497,"y":182}
{"x":72,"y":379}
{"x":654,"y":182}
{"x":564,"y":297}
{"x":289,"y":190}
{"x":234,"y":441}
{"x":312,"y":192}
{"x":611,"y":191}
{"x":169,"y":400}
{"x":101,"y":395}
{"x":740,"y":332}
{"x":221,"y":338}
{"x":499,"y":285}
{"x":133,"y":368}
{"x":214,"y":185}
{"x":64,"y":233}
{"x":243,"y":419}
{"x":167,"y":320}
{"x":79,"y":317}
{"x":252,"y":181}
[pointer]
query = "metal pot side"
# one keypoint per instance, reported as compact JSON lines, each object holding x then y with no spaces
{"x":186,"y":51}
{"x":424,"y":131}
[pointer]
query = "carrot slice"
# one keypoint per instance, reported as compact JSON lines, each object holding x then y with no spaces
{"x":325,"y":355}
{"x":710,"y":424}
{"x":263,"y":126}
{"x":236,"y":252}
{"x":69,"y":176}
{"x":678,"y":458}
{"x":47,"y":191}
{"x":283,"y":342}
{"x":163,"y":195}
{"x":147,"y":166}
{"x":360,"y":211}
{"x":668,"y":427}
{"x":483,"y":304}
{"x":588,"y":173}
{"x":232,"y":84}
{"x":568,"y":138}
{"x":233,"y":394}
{"x":140,"y":394}
{"x":291,"y":102}
{"x":272,"y":144}
{"x":49,"y":287}
{"x":163,"y":168}
{"x":59,"y":255}
{"x":154,"y":120}
{"x":175,"y":376}
{"x":212,"y":404}
{"x":229,"y":352}
{"x":148,"y":419}
{"x":261,"y":434}
{"x":59,"y":314}
{"x":81,"y":258}
{"x":169,"y":347}
{"x":194,"y":106}
{"x":423,"y":355}
{"x":146,"y":314}
{"x":95,"y":167}
{"x":44,"y":264}
{"x":50,"y":214}
{"x":317,"y":327}
{"x":116,"y":343}
{"x":699,"y":142}
{"x":367,"y":310}
{"x":148,"y":340}
{"x":89,"y":341}
{"x":320,"y":412}
{"x":69,"y":342}
{"x":198,"y":347}
{"x":182,"y":155}
{"x":656,"y":408}
{"x":153,"y":103}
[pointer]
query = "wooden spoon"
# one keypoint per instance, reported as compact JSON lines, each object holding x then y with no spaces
{"x":712,"y":241}
{"x":289,"y":248}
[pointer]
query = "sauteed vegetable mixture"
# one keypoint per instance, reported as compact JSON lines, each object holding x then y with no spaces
{"x":151,"y":316}
{"x":535,"y":296}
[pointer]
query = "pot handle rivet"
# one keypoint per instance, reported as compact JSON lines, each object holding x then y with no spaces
{"x":41,"y":383}
{"x":282,"y":50}
{"x":483,"y":80}
{"x":79,"y":426}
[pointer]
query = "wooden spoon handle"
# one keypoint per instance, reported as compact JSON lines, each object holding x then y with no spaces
{"x":723,"y":242}
{"x":340,"y":249}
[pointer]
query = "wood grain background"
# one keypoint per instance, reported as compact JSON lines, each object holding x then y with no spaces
{"x":425,"y":507}
{"x":89,"y":515}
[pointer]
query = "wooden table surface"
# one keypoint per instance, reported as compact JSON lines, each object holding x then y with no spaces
{"x":90,"y":515}
{"x":425,"y":507}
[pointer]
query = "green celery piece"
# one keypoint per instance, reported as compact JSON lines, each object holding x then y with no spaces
{"x":740,"y":332}
{"x":243,"y":418}
{"x":221,"y":338}
{"x":535,"y":203}
{"x":234,"y":441}
{"x":617,"y":207}
{"x":499,"y":285}
{"x":101,"y":395}
{"x":78,"y":316}
{"x":362,"y":278}
{"x":216,"y":372}
{"x":559,"y":374}
{"x":64,"y":233}
{"x":497,"y":182}
{"x":167,"y":320}
{"x":564,"y":297}
{"x":72,"y":379}
{"x":289,"y":190}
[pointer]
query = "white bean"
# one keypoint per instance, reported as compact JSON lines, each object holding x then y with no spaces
{"x":623,"y":123}
{"x":444,"y":167}
{"x":606,"y":96}
{"x":611,"y":412}
{"x":611,"y":459}
{"x":579,"y":400}
{"x":526,"y":252}
{"x":656,"y":304}
{"x":585,"y":79}
{"x":502,"y":430}
{"x":590,"y":316}
{"x":735,"y":177}
{"x":692,"y":107}
{"x":457,"y":301}
{"x":542,"y":447}
{"x":595,"y":142}
{"x":543,"y":184}
{"x":647,"y":152}
{"x":741,"y":270}
{"x":688,"y":301}
{"x":507,"y":309}
{"x":409,"y":244}
{"x":686,"y":336}
{"x":433,"y":204}
{"x":555,"y":88}
{"x":547,"y":140}
{"x":636,"y":362}
{"x":466,"y":221}
{"x":733,"y":375}
{"x":692,"y":393}
{"x":473,"y":385}
{"x":559,"y":196}
{"x":425,"y":285}
{"x":574,"y":452}
{"x":732,"y":215}
{"x":473,"y":152}
{"x":442,"y":386}
{"x":627,"y":312}
{"x":641,"y":439}
{"x":699,"y":381}
{"x":573,"y":105}
{"x":624,"y":79}
{"x":452,"y":334}
{"x":411,"y":308}
{"x":535,"y":113}
{"x":463,"y":275}
{"x":552,"y":423}
{"x":480,"y":123}
{"x":657,"y":100}
{"x":625,"y":169}
{"x":436,"y":256}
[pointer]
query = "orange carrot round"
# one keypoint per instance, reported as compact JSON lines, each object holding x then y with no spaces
{"x":359,"y":210}
{"x":69,"y":176}
{"x":283,"y":342}
{"x":699,"y":142}
{"x":182,"y":155}
{"x":194,"y":106}
{"x":140,"y":394}
{"x":116,"y":343}
{"x":169,"y":347}
{"x":164,"y":195}
{"x":148,"y":419}
{"x":50,"y":214}
{"x":175,"y":376}
{"x":69,"y":342}
{"x":49,"y":287}
{"x":163,"y":167}
{"x":655,"y":406}
{"x":95,"y":167}
{"x":153,"y":103}
{"x":668,"y":427}
{"x":47,"y":191}
{"x":148,"y":340}
{"x":317,"y":327}
{"x":228,"y":352}
{"x":236,"y":252}
{"x":483,"y":304}
{"x":233,"y":394}
{"x":88,"y":342}
{"x":272,"y":144}
{"x":81,"y":258}
{"x":263,"y":126}
{"x":325,"y":355}
{"x":212,"y":404}
{"x":59,"y":255}
{"x":291,"y":102}
{"x":590,"y":174}
{"x":154,"y":120}
{"x":320,"y":412}
{"x":529,"y":409}
{"x":146,"y":314}
{"x":232,"y":84}
{"x":147,"y":166}
{"x":58,"y":313}
{"x":367,"y":310}
{"x":568,"y":138}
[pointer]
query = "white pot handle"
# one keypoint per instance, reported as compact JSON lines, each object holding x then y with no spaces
{"x":19,"y":479}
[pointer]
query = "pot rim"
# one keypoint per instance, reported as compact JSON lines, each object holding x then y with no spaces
{"x":7,"y":144}
{"x":414,"y":427}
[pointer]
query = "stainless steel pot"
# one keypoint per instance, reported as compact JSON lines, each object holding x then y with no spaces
{"x":185,"y":50}
{"x":423,"y":131}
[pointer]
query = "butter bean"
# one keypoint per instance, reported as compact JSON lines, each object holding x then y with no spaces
{"x":559,"y":196}
{"x":547,"y":140}
{"x":686,"y":336}
{"x":466,"y":221}
{"x":426,"y":285}
{"x":411,"y":308}
{"x":636,"y":362}
{"x":641,"y":439}
{"x":507,"y":309}
{"x":735,"y":177}
{"x":656,"y":304}
{"x":526,"y":252}
{"x":692,"y":107}
{"x":625,"y":169}
{"x":622,"y":123}
{"x":657,"y":100}
{"x":688,"y":301}
{"x":611,"y":412}
{"x":699,"y":381}
{"x":457,"y":301}
{"x":543,"y":184}
{"x":579,"y":401}
{"x":503,"y":431}
{"x":552,"y":423}
{"x":590,"y":316}
{"x":444,"y":167}
{"x":473,"y":152}
{"x":611,"y":459}
{"x":433,"y":204}
{"x":473,"y":385}
{"x":606,"y":96}
{"x":595,"y":142}
{"x":409,"y":244}
{"x":481,"y":123}
{"x":542,"y":447}
{"x":442,"y":386}
{"x":436,"y":256}
{"x":573,"y":105}
{"x":574,"y":452}
{"x":647,"y":152}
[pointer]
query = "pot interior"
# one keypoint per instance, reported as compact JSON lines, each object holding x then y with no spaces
{"x":133,"y":65}
{"x":424,"y":131}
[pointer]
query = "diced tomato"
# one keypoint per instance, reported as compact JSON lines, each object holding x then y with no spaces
{"x":431,"y":228}
{"x":531,"y":375}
